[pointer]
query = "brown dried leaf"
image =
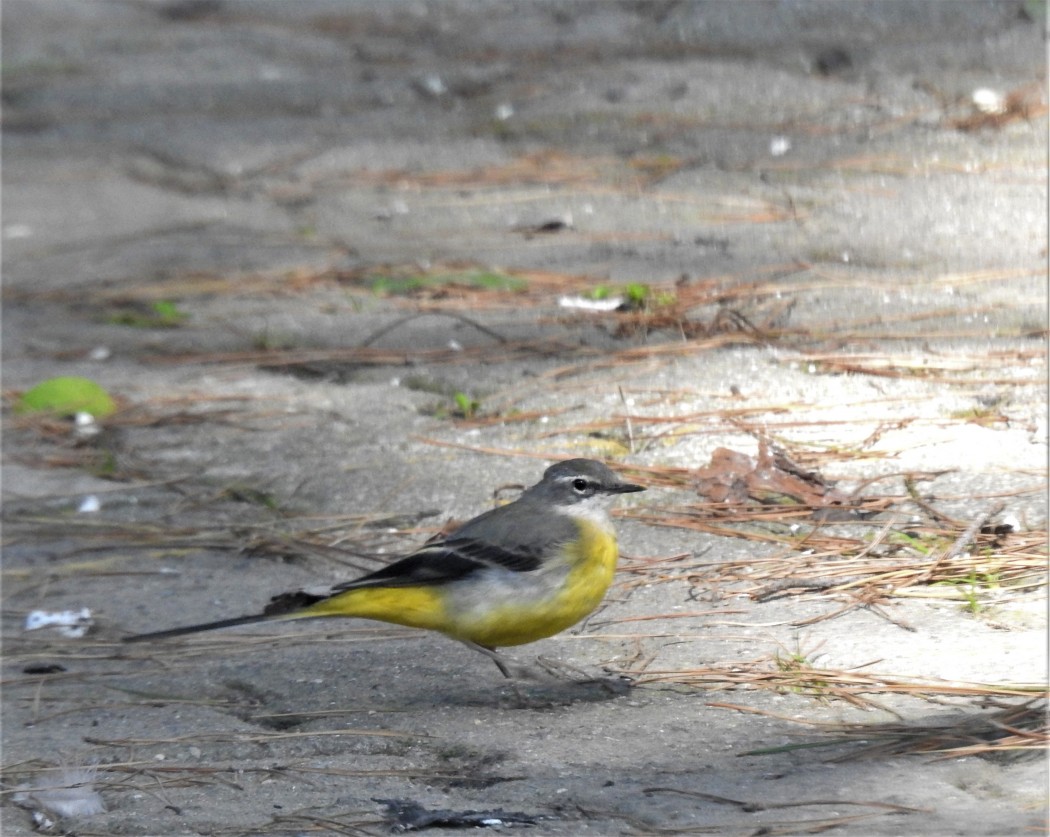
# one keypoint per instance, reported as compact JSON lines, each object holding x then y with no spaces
{"x":734,"y":477}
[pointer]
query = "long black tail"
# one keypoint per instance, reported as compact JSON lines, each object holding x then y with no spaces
{"x":284,"y":606}
{"x":193,"y":629}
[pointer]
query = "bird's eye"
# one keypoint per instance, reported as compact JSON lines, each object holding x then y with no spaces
{"x":579,"y":484}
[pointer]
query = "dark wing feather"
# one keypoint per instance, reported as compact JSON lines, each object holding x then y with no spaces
{"x":515,"y":537}
{"x":518,"y":558}
{"x":444,"y":562}
{"x":430,"y":565}
{"x":285,"y":603}
{"x":492,"y":539}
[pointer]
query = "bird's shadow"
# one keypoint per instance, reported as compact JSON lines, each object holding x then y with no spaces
{"x":547,"y":684}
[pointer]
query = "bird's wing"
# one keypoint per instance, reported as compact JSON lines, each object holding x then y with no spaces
{"x":519,"y":558}
{"x":447,"y":561}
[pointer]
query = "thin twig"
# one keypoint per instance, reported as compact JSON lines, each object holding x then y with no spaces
{"x":627,"y":421}
{"x":961,"y":542}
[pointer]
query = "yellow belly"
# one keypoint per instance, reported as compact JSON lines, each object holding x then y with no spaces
{"x":414,"y":607}
{"x":517,"y":609}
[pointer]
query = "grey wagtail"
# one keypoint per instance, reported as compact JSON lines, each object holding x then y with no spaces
{"x":512,"y":575}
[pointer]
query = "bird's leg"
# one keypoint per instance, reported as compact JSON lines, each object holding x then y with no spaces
{"x":492,"y":654}
{"x":510,"y":669}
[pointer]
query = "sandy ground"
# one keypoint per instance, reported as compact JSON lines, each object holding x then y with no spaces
{"x":866,"y":252}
